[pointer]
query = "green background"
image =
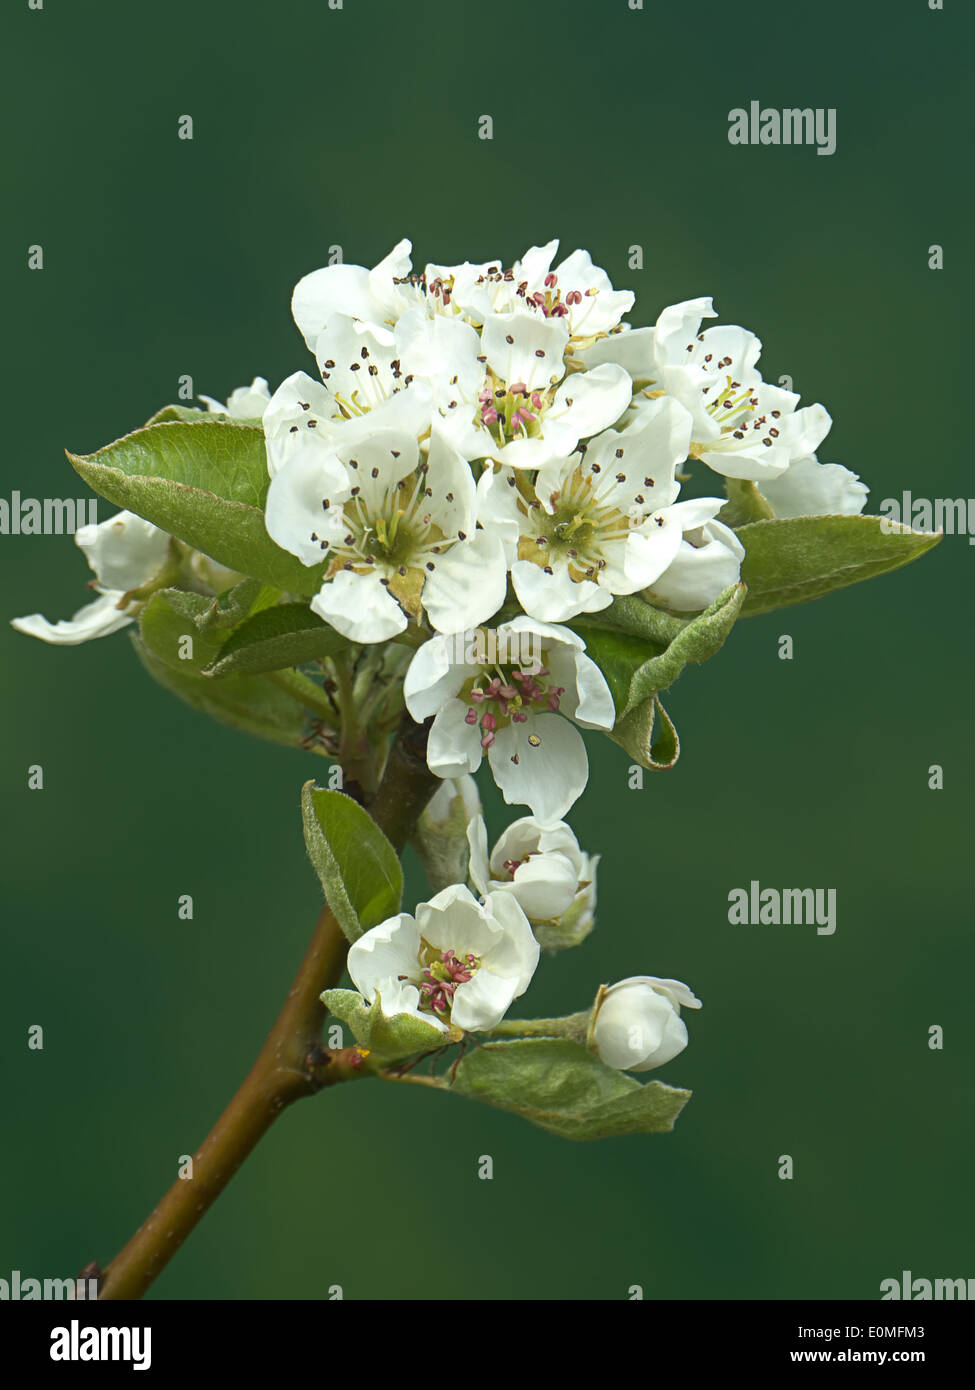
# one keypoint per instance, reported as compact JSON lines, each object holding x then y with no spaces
{"x":315,"y":127}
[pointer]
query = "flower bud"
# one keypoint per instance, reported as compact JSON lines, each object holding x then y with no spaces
{"x":638,"y":1025}
{"x":441,"y":835}
{"x":547,"y":873}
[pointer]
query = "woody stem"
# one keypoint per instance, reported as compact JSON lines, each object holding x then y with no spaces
{"x":291,"y":1064}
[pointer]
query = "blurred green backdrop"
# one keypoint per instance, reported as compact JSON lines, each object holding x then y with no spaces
{"x":162,"y":257}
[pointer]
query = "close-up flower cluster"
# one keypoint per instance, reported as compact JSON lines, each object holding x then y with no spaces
{"x":483,"y":531}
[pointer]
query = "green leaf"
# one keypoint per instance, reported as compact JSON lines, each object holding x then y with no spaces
{"x":561,"y":1087}
{"x":169,"y":413}
{"x":648,"y":735}
{"x":359,"y":870}
{"x":387,"y":1039}
{"x":172,"y":629}
{"x":636,"y":670}
{"x":193,"y":413}
{"x":204,"y":482}
{"x":631,"y":614}
{"x":289,"y":634}
{"x":794,"y":559}
{"x":250,"y":704}
{"x":231,"y":608}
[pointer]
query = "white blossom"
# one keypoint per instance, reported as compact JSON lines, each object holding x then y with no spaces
{"x":743,"y":427}
{"x":515,"y":709}
{"x":544,"y":869}
{"x":599,"y":523}
{"x":456,"y":962}
{"x":529,"y":408}
{"x":397,"y":528}
{"x":575,"y":290}
{"x":638,"y":1024}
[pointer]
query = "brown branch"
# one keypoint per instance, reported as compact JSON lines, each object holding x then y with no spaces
{"x":291,"y":1064}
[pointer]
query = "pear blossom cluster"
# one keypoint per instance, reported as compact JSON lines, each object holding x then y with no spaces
{"x":471,"y":426}
{"x":491,"y":452}
{"x":477,"y":436}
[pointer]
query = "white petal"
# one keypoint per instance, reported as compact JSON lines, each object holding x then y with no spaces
{"x":673,"y":1041}
{"x":468,"y":584}
{"x":478,"y":844}
{"x":678,"y":326}
{"x":387,"y":296}
{"x":97,"y":619}
{"x":587,"y":697}
{"x":125,"y":551}
{"x":550,"y":777}
{"x":754,"y":463}
{"x":806,"y":429}
{"x":482,"y":1001}
{"x":545,"y":886}
{"x":632,"y":349}
{"x":646,"y":553}
{"x":681,"y":994}
{"x":321,"y":296}
{"x":497,"y":508}
{"x":810,"y":488}
{"x":444,"y":351}
{"x":390,"y":949}
{"x":556,"y":597}
{"x":454,"y":920}
{"x":453,"y":747}
{"x":705,"y":565}
{"x":295,"y":513}
{"x":534,"y":264}
{"x":627,"y":1036}
{"x":534,"y":354}
{"x":641,"y":460}
{"x":432,"y":678}
{"x":298,"y":407}
{"x":585,"y":404}
{"x":401,"y":997}
{"x":547,"y":632}
{"x":516,"y":841}
{"x":516,"y":953}
{"x":359,"y":607}
{"x":451,"y":481}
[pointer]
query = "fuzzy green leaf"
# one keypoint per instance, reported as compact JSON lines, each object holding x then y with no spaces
{"x":388,"y":1039}
{"x":250,"y":704}
{"x":649,"y":736}
{"x":288,"y":634}
{"x":794,"y":559}
{"x":636,"y":669}
{"x":558,"y":1085}
{"x":172,"y":628}
{"x":232,"y":607}
{"x":204,"y":482}
{"x":358,"y":868}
